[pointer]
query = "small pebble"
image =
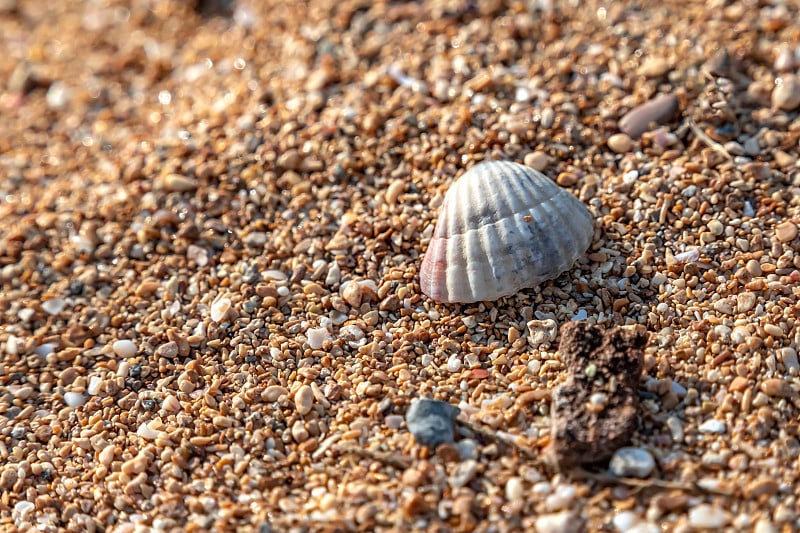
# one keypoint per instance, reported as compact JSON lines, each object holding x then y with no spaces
{"x":178,"y":183}
{"x":124,"y":348}
{"x":304,"y":399}
{"x":317,"y":337}
{"x":537,"y":160}
{"x":632,"y":462}
{"x":654,"y":67}
{"x":54,"y":306}
{"x":463,"y":473}
{"x":431,"y":421}
{"x":620,"y":143}
{"x":786,"y":231}
{"x":786,"y":94}
{"x":705,"y":516}
{"x":147,"y":433}
{"x":94,"y":385}
{"x":563,"y":522}
{"x":776,"y":387}
{"x":659,"y":110}
{"x":467,"y":449}
{"x":713,"y":426}
{"x":515,"y":490}
{"x":789,"y":358}
{"x":219,"y":309}
{"x":74,"y":399}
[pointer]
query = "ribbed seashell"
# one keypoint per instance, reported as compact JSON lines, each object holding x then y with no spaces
{"x":503,"y":227}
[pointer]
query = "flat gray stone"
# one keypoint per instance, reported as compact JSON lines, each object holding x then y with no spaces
{"x":431,"y":421}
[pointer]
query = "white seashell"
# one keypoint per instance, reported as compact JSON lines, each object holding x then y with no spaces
{"x":502,"y":227}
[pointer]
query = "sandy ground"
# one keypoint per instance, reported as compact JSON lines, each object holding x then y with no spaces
{"x":211,"y":225}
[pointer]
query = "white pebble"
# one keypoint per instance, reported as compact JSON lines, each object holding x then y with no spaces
{"x":514,"y":489}
{"x":148,"y":433}
{"x":275,"y":275}
{"x":706,"y":516}
{"x":45,"y":349}
{"x":22,"y":508}
{"x":54,"y":306}
{"x":317,"y":337}
{"x":789,"y":358}
{"x":197,"y":254}
{"x":625,"y":520}
{"x":94,"y":385}
{"x":675,"y":428}
{"x":74,"y":399}
{"x":563,"y":522}
{"x":454,"y":363}
{"x":171,"y":403}
{"x":632,"y":462}
{"x":561,"y":499}
{"x":219,"y":309}
{"x":713,"y":426}
{"x":124,"y":348}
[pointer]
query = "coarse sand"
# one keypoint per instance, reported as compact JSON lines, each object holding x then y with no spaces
{"x":212,"y":218}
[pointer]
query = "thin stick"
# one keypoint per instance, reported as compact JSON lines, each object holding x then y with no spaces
{"x":711,"y":143}
{"x":401,"y":462}
{"x":525,"y":451}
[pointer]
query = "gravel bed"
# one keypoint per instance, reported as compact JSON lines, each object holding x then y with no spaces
{"x":212,"y":218}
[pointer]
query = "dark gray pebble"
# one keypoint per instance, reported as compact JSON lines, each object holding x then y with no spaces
{"x":431,"y":421}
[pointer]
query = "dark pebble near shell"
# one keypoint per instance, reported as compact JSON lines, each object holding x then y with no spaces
{"x":431,"y":421}
{"x":639,"y":119}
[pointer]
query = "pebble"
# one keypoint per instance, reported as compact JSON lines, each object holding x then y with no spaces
{"x":94,"y":385}
{"x":178,"y":183}
{"x":463,"y":473}
{"x":654,"y":67}
{"x":304,"y":400}
{"x":620,"y":143}
{"x":454,"y":363}
{"x":675,"y":427}
{"x":659,"y":110}
{"x":317,"y":337}
{"x":74,"y":399}
{"x":148,"y":433}
{"x":783,"y":159}
{"x":786,"y":94}
{"x":632,"y":462}
{"x":394,"y":190}
{"x":54,"y":306}
{"x":541,"y":331}
{"x":431,"y":421}
{"x":713,"y":426}
{"x":705,"y":516}
{"x":786,"y":231}
{"x":789,"y":358}
{"x":171,"y":403}
{"x":219,"y":309}
{"x":537,"y":160}
{"x":776,"y":387}
{"x":168,"y":350}
{"x":515,"y":491}
{"x":467,"y":449}
{"x":716,"y":227}
{"x":563,"y":522}
{"x":745,"y":301}
{"x":124,"y":348}
{"x":351,"y":293}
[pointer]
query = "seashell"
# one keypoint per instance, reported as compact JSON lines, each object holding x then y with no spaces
{"x":502,"y":227}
